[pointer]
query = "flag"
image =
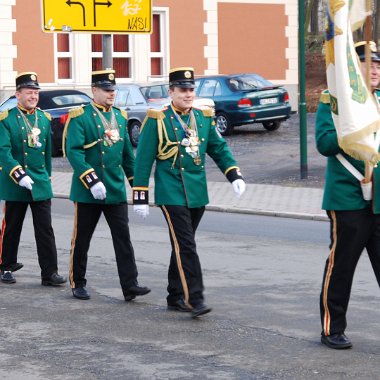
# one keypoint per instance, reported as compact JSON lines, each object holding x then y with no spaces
{"x":358,"y":14}
{"x":354,"y":109}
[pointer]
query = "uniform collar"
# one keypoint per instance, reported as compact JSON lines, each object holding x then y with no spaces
{"x":24,"y":110}
{"x":102,"y":108}
{"x":180,"y":112}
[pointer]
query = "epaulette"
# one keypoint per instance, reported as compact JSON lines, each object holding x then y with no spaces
{"x":47,"y":114}
{"x":325,"y":97}
{"x":155,"y":114}
{"x":3,"y":115}
{"x":124,"y":114}
{"x":76,"y":112}
{"x":209,"y":112}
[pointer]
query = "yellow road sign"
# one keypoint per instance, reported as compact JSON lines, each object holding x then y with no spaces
{"x":97,"y":16}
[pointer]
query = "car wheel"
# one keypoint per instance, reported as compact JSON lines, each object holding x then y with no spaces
{"x":134,"y":132}
{"x":223,"y":124}
{"x":272,"y":125}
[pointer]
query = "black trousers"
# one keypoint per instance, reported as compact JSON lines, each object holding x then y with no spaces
{"x":86,"y":218}
{"x":14,"y":215}
{"x":350,"y":232}
{"x":185,"y":273}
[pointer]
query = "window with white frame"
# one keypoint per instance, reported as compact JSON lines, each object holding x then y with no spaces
{"x":64,"y":56}
{"x":157,"y":45}
{"x":121,"y":54}
{"x":126,"y":50}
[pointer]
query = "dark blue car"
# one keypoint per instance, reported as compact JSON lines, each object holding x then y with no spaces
{"x":58,"y":103}
{"x":244,"y":99}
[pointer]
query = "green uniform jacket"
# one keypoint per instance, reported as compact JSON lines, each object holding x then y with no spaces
{"x":84,"y":147}
{"x":15,"y":154}
{"x":342,"y":190}
{"x":178,"y":180}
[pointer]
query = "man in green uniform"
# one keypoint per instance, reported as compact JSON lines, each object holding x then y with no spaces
{"x":354,"y":221}
{"x":97,"y":145}
{"x":25,"y":161}
{"x":177,"y":138}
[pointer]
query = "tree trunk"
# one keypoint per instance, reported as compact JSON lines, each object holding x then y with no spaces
{"x":314,"y":24}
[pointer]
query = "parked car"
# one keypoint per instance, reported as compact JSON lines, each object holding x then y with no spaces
{"x":244,"y":99}
{"x":136,"y":99}
{"x":57,"y":103}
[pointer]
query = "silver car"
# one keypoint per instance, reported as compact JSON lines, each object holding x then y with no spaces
{"x":136,"y":99}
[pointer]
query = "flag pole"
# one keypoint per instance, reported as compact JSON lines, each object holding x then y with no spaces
{"x":367,"y":38}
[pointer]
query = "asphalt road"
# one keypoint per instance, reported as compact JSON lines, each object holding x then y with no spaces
{"x":263,"y":287}
{"x":266,"y":157}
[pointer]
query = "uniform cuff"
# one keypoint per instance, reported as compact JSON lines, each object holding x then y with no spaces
{"x":233,"y":174}
{"x":141,"y":196}
{"x":89,"y":178}
{"x":17,"y":174}
{"x":130,"y":181}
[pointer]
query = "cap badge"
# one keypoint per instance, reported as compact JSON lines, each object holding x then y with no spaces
{"x":187,"y":74}
{"x":33,"y":77}
{"x":111,"y":77}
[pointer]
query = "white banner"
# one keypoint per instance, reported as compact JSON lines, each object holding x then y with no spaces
{"x":353,"y":106}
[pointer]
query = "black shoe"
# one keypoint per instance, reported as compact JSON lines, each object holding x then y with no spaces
{"x":54,"y":280}
{"x":81,"y":293}
{"x":15,"y":267}
{"x":179,"y":305}
{"x":336,"y":341}
{"x":7,"y":277}
{"x":134,"y":291}
{"x":199,"y":310}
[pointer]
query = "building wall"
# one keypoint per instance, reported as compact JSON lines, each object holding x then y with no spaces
{"x":213,"y":36}
{"x":247,"y":44}
{"x":187,"y":38}
{"x":8,"y":49}
{"x":35,"y":49}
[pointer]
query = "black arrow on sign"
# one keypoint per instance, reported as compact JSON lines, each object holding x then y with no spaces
{"x":69,"y":2}
{"x":108,"y":3}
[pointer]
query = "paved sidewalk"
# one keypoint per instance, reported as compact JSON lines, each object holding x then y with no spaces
{"x":291,"y":202}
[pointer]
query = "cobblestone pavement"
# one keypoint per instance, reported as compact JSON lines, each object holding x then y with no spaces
{"x":265,"y":157}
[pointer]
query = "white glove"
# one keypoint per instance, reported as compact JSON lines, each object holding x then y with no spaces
{"x":239,"y":187}
{"x":99,"y":191}
{"x":26,"y":182}
{"x":141,"y":210}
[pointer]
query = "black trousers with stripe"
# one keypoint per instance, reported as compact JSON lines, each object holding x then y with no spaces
{"x":13,"y":220}
{"x":86,"y":218}
{"x":185,"y":273}
{"x":350,"y":232}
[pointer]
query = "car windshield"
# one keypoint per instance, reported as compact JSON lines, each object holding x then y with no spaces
{"x":69,"y":100}
{"x":50,"y":100}
{"x":8,"y":104}
{"x":155,"y":92}
{"x":248,"y":82}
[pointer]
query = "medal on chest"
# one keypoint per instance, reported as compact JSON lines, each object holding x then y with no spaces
{"x":190,"y":140}
{"x":111,"y":131}
{"x":32,"y":131}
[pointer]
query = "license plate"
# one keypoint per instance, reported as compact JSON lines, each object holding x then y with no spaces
{"x":269,"y":101}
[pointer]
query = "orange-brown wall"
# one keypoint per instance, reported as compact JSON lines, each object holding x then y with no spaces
{"x":35,"y":49}
{"x":187,"y":40}
{"x":252,"y":39}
